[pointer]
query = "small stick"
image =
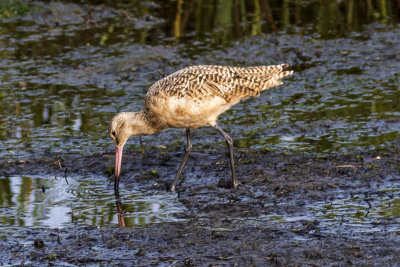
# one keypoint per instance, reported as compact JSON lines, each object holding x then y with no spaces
{"x":65,"y":175}
{"x":58,"y":236}
{"x":141,"y":145}
{"x":59,"y":164}
{"x":369,"y":204}
{"x":346,"y":166}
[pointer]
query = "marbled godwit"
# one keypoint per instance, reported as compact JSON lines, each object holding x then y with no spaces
{"x":189,"y":98}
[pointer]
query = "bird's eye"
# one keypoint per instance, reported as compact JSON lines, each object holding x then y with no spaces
{"x":113,"y":133}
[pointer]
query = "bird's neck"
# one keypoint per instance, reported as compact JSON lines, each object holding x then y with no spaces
{"x":144,"y":123}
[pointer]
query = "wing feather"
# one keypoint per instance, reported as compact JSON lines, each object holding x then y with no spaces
{"x":207,"y":81}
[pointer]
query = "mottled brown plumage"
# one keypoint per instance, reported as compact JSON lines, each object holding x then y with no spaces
{"x":193,"y":97}
{"x":204,"y":81}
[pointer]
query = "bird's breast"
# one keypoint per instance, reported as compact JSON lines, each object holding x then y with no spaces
{"x":188,"y":112}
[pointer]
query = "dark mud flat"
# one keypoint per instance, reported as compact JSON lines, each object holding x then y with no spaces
{"x":283,"y":215}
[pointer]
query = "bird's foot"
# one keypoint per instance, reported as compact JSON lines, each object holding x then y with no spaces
{"x":236,"y":184}
{"x":172,"y":189}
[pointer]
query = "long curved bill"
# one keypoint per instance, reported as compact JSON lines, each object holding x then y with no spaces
{"x":118,"y":160}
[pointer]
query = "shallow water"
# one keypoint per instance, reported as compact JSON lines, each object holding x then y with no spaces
{"x":348,"y":213}
{"x":57,"y":202}
{"x":67,"y":67}
{"x":364,"y":212}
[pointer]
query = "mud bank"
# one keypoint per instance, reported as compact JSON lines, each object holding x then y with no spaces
{"x":291,"y":210}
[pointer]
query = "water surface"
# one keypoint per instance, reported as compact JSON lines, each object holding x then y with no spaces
{"x":58,"y":203}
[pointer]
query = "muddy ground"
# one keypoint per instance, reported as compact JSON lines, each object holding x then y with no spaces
{"x":224,"y":226}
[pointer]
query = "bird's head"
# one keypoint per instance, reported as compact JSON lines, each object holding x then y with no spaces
{"x":122,"y":126}
{"x":119,"y":129}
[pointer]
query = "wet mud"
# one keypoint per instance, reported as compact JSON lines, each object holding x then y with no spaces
{"x":276,"y":218}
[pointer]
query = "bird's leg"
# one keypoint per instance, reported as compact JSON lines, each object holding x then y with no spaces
{"x":188,"y":149}
{"x":229,"y":142}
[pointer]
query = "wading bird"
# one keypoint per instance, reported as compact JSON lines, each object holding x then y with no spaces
{"x":190,"y":98}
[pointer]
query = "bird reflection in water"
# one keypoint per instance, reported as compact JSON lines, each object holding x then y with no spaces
{"x":120,"y":209}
